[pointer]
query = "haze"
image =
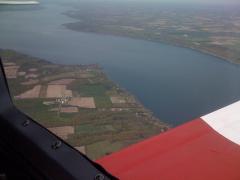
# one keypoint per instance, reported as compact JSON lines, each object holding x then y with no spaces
{"x":184,"y":1}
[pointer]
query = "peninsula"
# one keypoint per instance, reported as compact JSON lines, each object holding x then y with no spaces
{"x":79,"y":104}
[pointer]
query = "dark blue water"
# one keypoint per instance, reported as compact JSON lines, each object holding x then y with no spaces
{"x":177,"y":84}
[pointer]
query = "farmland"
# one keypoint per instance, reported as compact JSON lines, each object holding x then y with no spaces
{"x":79,"y":104}
{"x":212,"y":30}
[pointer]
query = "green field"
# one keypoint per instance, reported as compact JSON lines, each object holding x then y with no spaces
{"x":102,"y":148}
{"x":201,"y":29}
{"x":100,"y":130}
{"x":91,"y":129}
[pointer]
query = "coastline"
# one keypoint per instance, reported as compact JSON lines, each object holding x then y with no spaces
{"x":138,"y":103}
{"x":112,"y":117}
{"x":200,"y":50}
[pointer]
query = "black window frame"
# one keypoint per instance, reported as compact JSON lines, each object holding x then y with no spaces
{"x":29,"y":150}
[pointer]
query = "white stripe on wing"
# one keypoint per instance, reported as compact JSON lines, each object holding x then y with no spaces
{"x":226,"y":121}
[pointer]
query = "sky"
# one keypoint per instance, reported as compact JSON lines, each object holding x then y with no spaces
{"x":173,"y":1}
{"x":204,"y":1}
{"x":192,"y":1}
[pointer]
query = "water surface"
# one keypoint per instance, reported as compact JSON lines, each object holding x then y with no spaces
{"x":177,"y":84}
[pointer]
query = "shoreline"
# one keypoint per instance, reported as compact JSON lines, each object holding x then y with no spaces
{"x":229,"y":60}
{"x":154,"y":118}
{"x":138,"y":102}
{"x":117,"y":119}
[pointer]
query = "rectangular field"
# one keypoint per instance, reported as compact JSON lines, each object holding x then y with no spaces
{"x":83,"y":102}
{"x":118,"y":100}
{"x":57,"y":91}
{"x":63,"y":131}
{"x":62,"y":82}
{"x":32,"y":93}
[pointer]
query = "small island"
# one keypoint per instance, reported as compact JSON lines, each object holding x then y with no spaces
{"x":79,"y":103}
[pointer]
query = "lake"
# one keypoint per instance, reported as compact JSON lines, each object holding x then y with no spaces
{"x":177,"y":84}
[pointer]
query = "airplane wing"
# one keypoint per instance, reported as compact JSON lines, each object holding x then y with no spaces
{"x":207,"y":148}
